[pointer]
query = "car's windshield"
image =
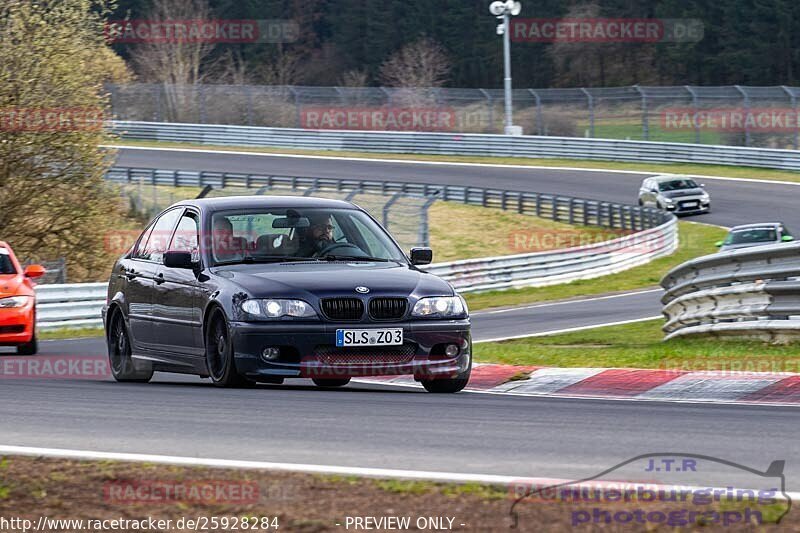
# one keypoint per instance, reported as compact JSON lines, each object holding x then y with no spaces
{"x":752,"y":235}
{"x":276,"y":234}
{"x":6,"y":266}
{"x":676,"y":185}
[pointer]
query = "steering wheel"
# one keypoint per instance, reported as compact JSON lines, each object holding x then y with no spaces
{"x":339,"y":246}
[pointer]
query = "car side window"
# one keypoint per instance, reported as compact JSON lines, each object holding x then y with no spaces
{"x":140,"y":247}
{"x":159,"y":237}
{"x":186,"y":235}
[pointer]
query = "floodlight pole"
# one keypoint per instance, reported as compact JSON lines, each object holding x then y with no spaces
{"x":509,"y":129}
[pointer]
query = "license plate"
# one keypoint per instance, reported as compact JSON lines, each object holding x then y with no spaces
{"x":690,"y":204}
{"x":369,"y":337}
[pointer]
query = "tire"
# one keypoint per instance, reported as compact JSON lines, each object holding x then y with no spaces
{"x":30,"y":347}
{"x":448,"y":386}
{"x":330,"y":383}
{"x":123,"y":367}
{"x":219,"y":353}
{"x":641,"y":203}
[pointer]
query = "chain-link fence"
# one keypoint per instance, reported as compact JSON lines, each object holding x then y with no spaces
{"x":731,"y":115}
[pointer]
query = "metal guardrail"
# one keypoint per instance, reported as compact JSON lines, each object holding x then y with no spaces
{"x":752,"y":292}
{"x":74,"y":305}
{"x":637,"y":112}
{"x":467,"y":144}
{"x":560,"y":266}
{"x":558,"y":208}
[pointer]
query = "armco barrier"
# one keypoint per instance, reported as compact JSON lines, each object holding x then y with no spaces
{"x":467,"y":144}
{"x":752,"y":292}
{"x":559,"y":208}
{"x":75,"y":305}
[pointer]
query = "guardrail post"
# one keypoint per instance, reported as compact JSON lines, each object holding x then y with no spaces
{"x":694,"y":115}
{"x":554,"y":207}
{"x":590,"y":101}
{"x":424,"y":230}
{"x":538,"y":200}
{"x":793,"y":100}
{"x":572,"y":210}
{"x":387,"y":206}
{"x":746,"y":103}
{"x":645,"y":117}
{"x":539,"y":121}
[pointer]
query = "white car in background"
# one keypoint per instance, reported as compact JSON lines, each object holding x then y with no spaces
{"x":678,"y":194}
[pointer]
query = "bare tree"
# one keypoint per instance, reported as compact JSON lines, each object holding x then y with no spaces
{"x":283,"y":69}
{"x":175,"y":64}
{"x":423,"y":63}
{"x":355,"y":78}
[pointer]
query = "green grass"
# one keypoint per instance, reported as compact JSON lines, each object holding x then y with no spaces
{"x":695,"y":240}
{"x":69,"y":333}
{"x":637,"y":345}
{"x":633,"y":131}
{"x":675,"y":168}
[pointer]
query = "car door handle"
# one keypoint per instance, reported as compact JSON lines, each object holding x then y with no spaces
{"x":129,"y":273}
{"x":160,"y":279}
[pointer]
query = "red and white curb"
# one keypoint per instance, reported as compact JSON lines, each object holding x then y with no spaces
{"x":629,"y":384}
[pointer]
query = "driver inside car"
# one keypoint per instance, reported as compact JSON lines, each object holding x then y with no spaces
{"x":318,"y":236}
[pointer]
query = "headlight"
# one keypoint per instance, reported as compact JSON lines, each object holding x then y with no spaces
{"x":705,"y":198}
{"x":278,"y":308}
{"x":13,"y":301}
{"x":440,"y":307}
{"x":669,"y":201}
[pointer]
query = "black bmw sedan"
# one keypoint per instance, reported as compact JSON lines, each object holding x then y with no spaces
{"x":259,"y":289}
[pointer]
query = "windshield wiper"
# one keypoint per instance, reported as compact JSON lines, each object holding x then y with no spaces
{"x":331,"y":257}
{"x":249,"y":260}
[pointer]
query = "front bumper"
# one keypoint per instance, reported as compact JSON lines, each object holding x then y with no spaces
{"x":307,"y":350}
{"x":680,"y":207}
{"x":17,"y":325}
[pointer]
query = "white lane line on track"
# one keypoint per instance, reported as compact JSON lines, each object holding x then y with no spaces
{"x":445,"y":163}
{"x":58,"y":453}
{"x":563,"y":302}
{"x":569,"y":330}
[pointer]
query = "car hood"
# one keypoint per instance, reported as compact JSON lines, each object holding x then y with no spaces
{"x":299,"y":280}
{"x":13,"y":285}
{"x":683,"y":192}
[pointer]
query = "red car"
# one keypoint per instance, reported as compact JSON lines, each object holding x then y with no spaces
{"x":17,"y":302}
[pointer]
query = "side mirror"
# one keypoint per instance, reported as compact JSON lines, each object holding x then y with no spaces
{"x":34,"y":271}
{"x":718,"y":244}
{"x":787,"y":238}
{"x":178,"y":259}
{"x":421,"y":256}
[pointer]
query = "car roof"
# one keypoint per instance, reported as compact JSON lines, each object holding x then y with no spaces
{"x":224,"y":203}
{"x":660,"y":179}
{"x":761,"y":225}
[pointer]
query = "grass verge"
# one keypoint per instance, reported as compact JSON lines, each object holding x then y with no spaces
{"x":96,"y":491}
{"x":69,"y":333}
{"x":674,"y":168}
{"x":695,"y":240}
{"x":639,"y":345}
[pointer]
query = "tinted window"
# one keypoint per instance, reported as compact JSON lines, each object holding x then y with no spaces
{"x":676,"y":185}
{"x":6,"y":266}
{"x":159,"y":237}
